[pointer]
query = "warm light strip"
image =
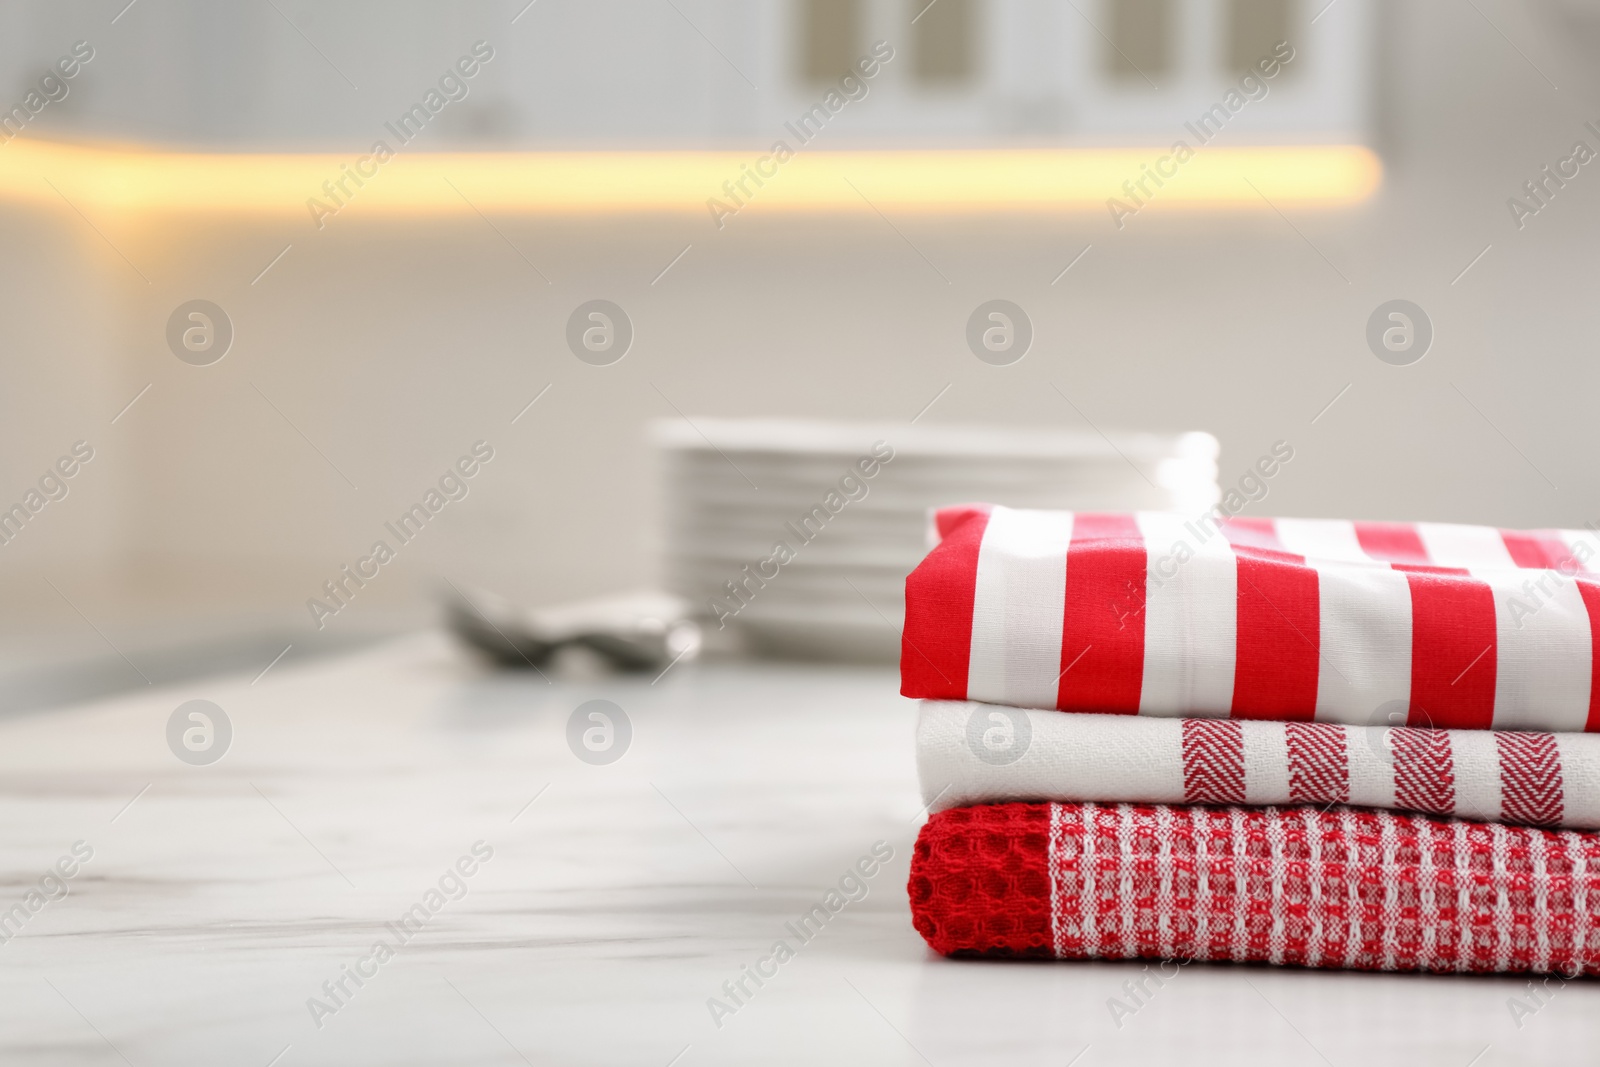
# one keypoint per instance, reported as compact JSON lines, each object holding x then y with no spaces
{"x":125,"y":180}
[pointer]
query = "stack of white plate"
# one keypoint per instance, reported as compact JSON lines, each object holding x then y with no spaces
{"x":734,"y":488}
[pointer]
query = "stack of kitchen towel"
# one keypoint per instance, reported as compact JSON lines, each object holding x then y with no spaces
{"x":1313,"y":742}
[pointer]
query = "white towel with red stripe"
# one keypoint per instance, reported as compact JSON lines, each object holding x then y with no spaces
{"x":1301,"y":620}
{"x":969,"y":753}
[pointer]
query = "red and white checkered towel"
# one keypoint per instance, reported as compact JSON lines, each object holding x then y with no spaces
{"x":1465,"y":627}
{"x":985,"y":753}
{"x":1340,"y":888}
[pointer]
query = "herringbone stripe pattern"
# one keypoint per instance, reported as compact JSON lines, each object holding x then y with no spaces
{"x":1319,"y":769}
{"x":1530,"y":779}
{"x":1213,"y":761}
{"x":1424,"y":770}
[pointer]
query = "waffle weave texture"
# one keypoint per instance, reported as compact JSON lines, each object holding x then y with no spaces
{"x":1337,"y":888}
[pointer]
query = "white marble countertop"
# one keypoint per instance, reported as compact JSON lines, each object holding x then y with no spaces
{"x":217,"y":903}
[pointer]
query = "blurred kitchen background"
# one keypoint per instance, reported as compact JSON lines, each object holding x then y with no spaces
{"x":371,"y":352}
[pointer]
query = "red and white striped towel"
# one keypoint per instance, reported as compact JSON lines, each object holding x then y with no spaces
{"x":984,"y":753}
{"x":1342,"y":888}
{"x":1464,"y":627}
